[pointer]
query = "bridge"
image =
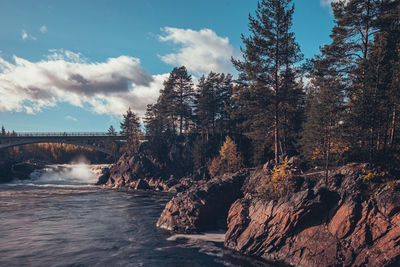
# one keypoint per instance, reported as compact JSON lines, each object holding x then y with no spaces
{"x":92,"y":140}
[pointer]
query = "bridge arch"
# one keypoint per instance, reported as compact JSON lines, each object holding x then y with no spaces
{"x":78,"y":139}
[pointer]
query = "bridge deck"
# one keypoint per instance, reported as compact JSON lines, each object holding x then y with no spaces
{"x":59,"y":134}
{"x":93,"y":140}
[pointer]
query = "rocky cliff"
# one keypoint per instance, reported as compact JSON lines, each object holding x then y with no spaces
{"x":348,"y":222}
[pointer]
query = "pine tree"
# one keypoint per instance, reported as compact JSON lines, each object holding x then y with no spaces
{"x":213,"y":104}
{"x":212,"y":109}
{"x":183,"y":92}
{"x":151,"y":121}
{"x":348,"y":52}
{"x":173,"y":109}
{"x":3,"y":131}
{"x":204,"y":109}
{"x":111,"y":131}
{"x":165,"y":107}
{"x":267,"y":72}
{"x":359,"y":53}
{"x":130,"y":128}
{"x":322,"y":134}
{"x":383,"y":76}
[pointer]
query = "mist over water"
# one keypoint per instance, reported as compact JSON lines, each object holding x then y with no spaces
{"x":78,"y":172}
{"x":64,"y":174}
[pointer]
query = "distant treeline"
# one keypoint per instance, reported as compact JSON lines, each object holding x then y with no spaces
{"x":55,"y":153}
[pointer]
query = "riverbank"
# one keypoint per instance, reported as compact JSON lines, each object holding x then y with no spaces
{"x":350,"y":221}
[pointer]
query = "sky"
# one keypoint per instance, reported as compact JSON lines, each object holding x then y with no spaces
{"x":73,"y":65}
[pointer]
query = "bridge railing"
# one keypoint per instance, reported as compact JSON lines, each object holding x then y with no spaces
{"x":47,"y":134}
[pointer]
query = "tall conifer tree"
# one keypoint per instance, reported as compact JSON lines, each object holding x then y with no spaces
{"x":267,"y":72}
{"x":130,"y":127}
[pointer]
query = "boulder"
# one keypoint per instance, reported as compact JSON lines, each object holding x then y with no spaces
{"x":142,"y":185}
{"x":23,"y":170}
{"x":5,"y":171}
{"x":129,"y":169}
{"x":203,"y":206}
{"x":105,"y":175}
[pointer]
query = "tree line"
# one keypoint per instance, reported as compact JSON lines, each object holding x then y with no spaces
{"x":340,"y":106}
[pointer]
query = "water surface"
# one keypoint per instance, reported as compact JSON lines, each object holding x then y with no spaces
{"x":57,"y":220}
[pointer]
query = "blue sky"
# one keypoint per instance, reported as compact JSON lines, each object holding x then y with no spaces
{"x":77,"y":65}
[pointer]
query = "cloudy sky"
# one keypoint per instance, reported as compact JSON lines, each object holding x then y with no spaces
{"x":77,"y":65}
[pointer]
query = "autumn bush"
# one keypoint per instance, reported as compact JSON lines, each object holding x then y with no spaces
{"x":277,"y":181}
{"x":228,"y":160}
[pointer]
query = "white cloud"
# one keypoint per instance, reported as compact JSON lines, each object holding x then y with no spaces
{"x":105,"y":88}
{"x":200,"y":51}
{"x":43,"y":29}
{"x":69,"y":117}
{"x":66,"y":55}
{"x":25,"y":35}
{"x":137,"y":99}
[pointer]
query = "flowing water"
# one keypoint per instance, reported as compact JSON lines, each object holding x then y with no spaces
{"x":59,"y":218}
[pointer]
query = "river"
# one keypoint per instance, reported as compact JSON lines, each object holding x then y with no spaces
{"x":59,"y":218}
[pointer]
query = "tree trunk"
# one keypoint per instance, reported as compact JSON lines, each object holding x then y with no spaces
{"x":328,"y":149}
{"x":276,"y":130}
{"x":180,"y":124}
{"x":276,"y":135}
{"x":393,"y":130}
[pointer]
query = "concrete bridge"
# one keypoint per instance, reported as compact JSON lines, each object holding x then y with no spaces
{"x":93,"y":140}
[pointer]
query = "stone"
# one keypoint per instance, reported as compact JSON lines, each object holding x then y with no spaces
{"x":105,"y":175}
{"x":203,"y":206}
{"x":142,"y":185}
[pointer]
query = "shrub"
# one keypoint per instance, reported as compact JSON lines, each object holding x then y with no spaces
{"x":229,"y":159}
{"x":391,"y":184}
{"x":371,"y":176}
{"x":277,"y":181}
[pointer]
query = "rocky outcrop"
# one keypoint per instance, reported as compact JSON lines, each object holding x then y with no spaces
{"x":347,"y":222}
{"x":157,"y":166}
{"x":204,"y":206}
{"x":128,"y":172}
{"x":129,"y":169}
{"x":10,"y":170}
{"x":5,"y":171}
{"x":104,"y":176}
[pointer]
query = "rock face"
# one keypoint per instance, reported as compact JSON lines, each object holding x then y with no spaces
{"x":129,"y":169}
{"x":155,"y":166}
{"x":203,"y":206}
{"x":103,"y":178}
{"x":344,"y":223}
{"x":5,"y":172}
{"x":140,"y":172}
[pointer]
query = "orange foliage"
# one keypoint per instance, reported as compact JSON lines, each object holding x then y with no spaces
{"x":229,"y":159}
